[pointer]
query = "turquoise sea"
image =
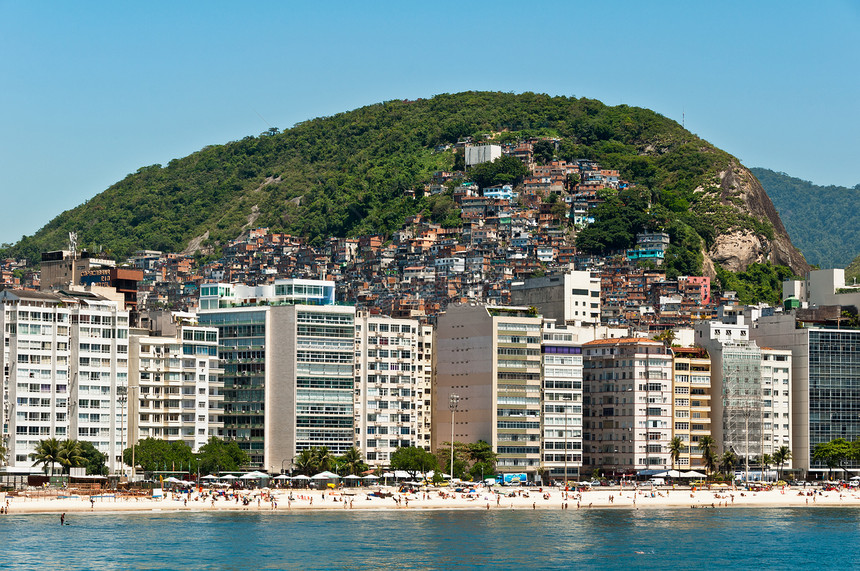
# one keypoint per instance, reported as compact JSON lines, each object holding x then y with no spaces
{"x":497,"y":539}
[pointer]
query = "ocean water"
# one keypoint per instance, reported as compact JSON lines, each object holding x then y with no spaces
{"x":451,"y":539}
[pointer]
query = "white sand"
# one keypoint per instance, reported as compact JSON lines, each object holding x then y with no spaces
{"x":526,"y":498}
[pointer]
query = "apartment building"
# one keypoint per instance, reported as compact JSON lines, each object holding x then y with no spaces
{"x":287,"y":351}
{"x":627,"y":401}
{"x":489,"y":358}
{"x":393,"y":371}
{"x":561,"y":398}
{"x":691,"y":405}
{"x":572,"y":297}
{"x":65,"y":357}
{"x":175,"y":390}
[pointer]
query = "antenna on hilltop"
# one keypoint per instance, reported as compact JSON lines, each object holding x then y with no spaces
{"x":73,"y":243}
{"x":683,"y":119}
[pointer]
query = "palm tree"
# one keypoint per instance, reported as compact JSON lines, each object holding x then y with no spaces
{"x":3,"y":453}
{"x":47,"y":454}
{"x":707,"y":445}
{"x":305,"y":462}
{"x":352,"y":461}
{"x":676,"y":446}
{"x":71,"y":454}
{"x":766,"y":460}
{"x":728,"y":461}
{"x":322,"y":459}
{"x":781,"y":456}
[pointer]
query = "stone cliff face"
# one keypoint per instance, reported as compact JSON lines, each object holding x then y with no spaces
{"x":741,"y":247}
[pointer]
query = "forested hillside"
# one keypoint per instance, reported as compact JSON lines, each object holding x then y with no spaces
{"x":823,"y":221}
{"x":346,"y":175}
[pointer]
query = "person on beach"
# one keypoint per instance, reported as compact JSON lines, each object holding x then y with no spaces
{"x":62,"y":518}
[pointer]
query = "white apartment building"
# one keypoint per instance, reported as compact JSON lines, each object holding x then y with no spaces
{"x":65,"y":356}
{"x":175,"y":388}
{"x":393,"y":369}
{"x":561,"y":444}
{"x":573,"y":297}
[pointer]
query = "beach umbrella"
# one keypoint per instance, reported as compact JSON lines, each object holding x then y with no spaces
{"x":282,"y":477}
{"x":228,"y":477}
{"x":209,"y":477}
{"x":325,"y":476}
{"x":692,"y":474}
{"x":352,"y":477}
{"x":370,"y":477}
{"x":249,"y":476}
{"x":301,"y":477}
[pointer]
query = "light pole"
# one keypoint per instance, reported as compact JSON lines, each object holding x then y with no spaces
{"x":453,"y":402}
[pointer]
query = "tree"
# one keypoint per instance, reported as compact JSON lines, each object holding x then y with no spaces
{"x":153,"y":455}
{"x":352,"y":462}
{"x":3,"y":452}
{"x":47,"y":453}
{"x":832,"y":454}
{"x":543,"y":151}
{"x":483,"y":458}
{"x":728,"y":461}
{"x":71,"y":455}
{"x":707,"y":444}
{"x":676,"y":446}
{"x":414,"y":460}
{"x":781,"y":456}
{"x":504,"y":170}
{"x":323,"y":459}
{"x":304,"y":462}
{"x":94,"y":461}
{"x":217,"y":455}
{"x":766,"y":460}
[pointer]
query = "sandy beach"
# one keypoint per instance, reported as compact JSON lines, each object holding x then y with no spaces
{"x":498,"y":498}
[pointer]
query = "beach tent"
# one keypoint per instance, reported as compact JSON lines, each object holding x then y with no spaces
{"x":282,"y":477}
{"x":253,"y":476}
{"x":692,"y":474}
{"x":669,"y":474}
{"x":325,"y":476}
{"x":353,"y":479}
{"x":228,"y":477}
{"x":209,"y":477}
{"x":301,"y":477}
{"x":370,"y":477}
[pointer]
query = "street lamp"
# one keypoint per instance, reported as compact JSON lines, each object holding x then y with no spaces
{"x":453,"y":402}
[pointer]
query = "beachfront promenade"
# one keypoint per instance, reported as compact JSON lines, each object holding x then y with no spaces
{"x":499,"y":498}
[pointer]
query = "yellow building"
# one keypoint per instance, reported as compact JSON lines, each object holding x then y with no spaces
{"x":691,"y":408}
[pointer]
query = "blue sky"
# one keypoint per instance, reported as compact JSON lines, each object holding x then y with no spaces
{"x":91,"y":91}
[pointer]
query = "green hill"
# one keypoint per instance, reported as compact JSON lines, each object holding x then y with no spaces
{"x":823,"y":221}
{"x":346,"y":175}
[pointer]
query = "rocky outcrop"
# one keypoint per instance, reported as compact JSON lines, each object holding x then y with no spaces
{"x":740,"y":247}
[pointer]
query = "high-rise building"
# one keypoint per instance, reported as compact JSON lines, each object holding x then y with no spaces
{"x":561,"y":398}
{"x":573,"y":297}
{"x":287,"y":351}
{"x":627,"y":394}
{"x":490,"y":358}
{"x":752,"y":387}
{"x":65,"y":357}
{"x":175,"y":388}
{"x":691,"y":393}
{"x":392,"y":386}
{"x":824,"y":385}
